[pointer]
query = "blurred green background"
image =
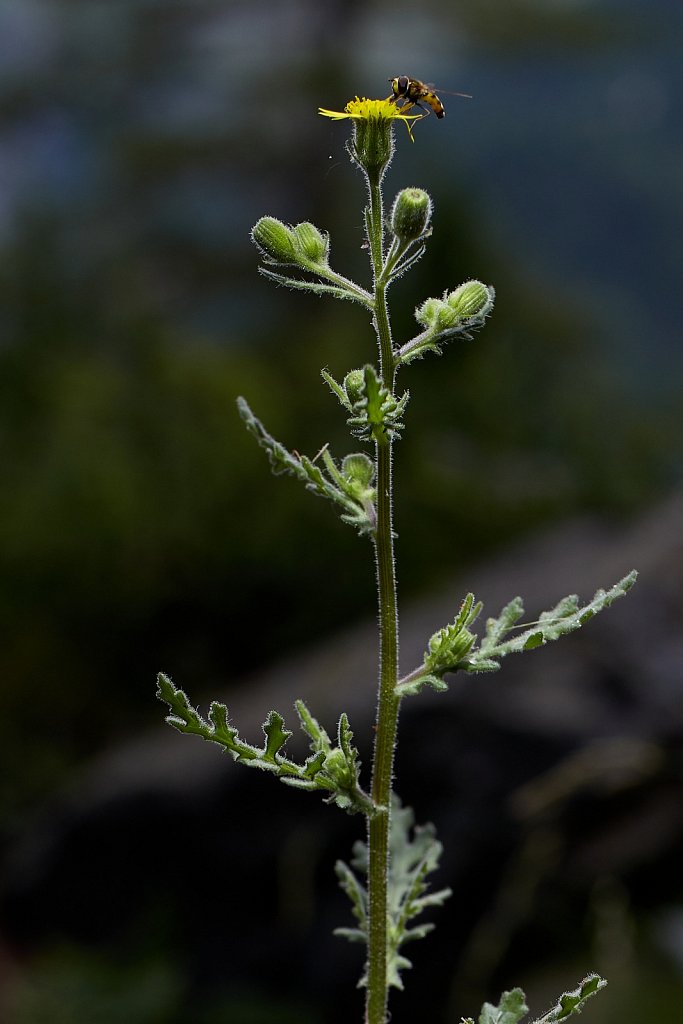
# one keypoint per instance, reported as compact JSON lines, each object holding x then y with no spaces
{"x":139,"y":142}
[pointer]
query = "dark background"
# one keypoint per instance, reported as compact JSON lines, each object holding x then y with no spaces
{"x":139,"y":526}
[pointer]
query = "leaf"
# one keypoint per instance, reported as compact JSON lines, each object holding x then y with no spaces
{"x":358,"y":511}
{"x":321,"y":741}
{"x":414,"y":853}
{"x":227,"y":735}
{"x":184,"y":717}
{"x":408,"y":261}
{"x":511,"y":1008}
{"x":571,"y":1003}
{"x":336,"y":389}
{"x":280,"y":459}
{"x":357,"y":893}
{"x":507,"y":620}
{"x":377,"y":413}
{"x":276,"y":736}
{"x":453,"y":648}
{"x":334,"y":770}
{"x":564,"y":618}
{"x":341,"y":290}
{"x":414,"y":683}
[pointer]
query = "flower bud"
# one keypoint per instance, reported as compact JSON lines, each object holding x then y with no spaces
{"x":410,"y":214}
{"x":427,"y":314}
{"x":358,"y":469}
{"x":337,"y":767}
{"x":471,"y":299}
{"x":275,"y":240}
{"x":354,"y":385}
{"x":312,"y":245}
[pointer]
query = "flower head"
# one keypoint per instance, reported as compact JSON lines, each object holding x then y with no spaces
{"x":371,"y":145}
{"x":372,"y":110}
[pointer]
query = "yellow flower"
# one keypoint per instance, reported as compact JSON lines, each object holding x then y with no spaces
{"x":372,"y":110}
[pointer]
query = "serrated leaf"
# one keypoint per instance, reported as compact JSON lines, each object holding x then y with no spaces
{"x":312,"y":728}
{"x":454,"y":647}
{"x":225,"y":734}
{"x":358,"y":896}
{"x":352,"y":934}
{"x":377,"y":413}
{"x":359,"y":513}
{"x":571,"y":1003}
{"x":276,"y":736}
{"x":508,"y":618}
{"x":564,"y":618}
{"x":510,"y":1010}
{"x":334,"y":771}
{"x":296,"y":782}
{"x":336,"y":389}
{"x":411,"y":686}
{"x":184,"y":717}
{"x":344,"y":737}
{"x":414,"y":853}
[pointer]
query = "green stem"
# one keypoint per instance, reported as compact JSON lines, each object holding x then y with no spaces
{"x":344,"y":283}
{"x":388,"y":703}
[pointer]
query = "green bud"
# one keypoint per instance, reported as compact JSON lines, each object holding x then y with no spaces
{"x":337,"y":767}
{"x":446,"y":317}
{"x":275,"y":240}
{"x":410,"y":214}
{"x":310,"y":243}
{"x":354,"y":385}
{"x":448,"y":647}
{"x":358,"y":469}
{"x":471,"y":299}
{"x":427,"y":313}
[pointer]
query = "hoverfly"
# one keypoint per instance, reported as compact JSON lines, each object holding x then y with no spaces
{"x":414,"y":93}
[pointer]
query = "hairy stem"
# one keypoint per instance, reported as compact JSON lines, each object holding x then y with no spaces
{"x":388,"y":703}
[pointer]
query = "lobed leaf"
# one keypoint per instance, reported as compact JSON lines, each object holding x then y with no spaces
{"x":377,"y":413}
{"x":336,"y":389}
{"x":571,"y":1003}
{"x":334,"y":770}
{"x":312,"y":728}
{"x":357,"y":507}
{"x":511,"y":1008}
{"x":416,"y":681}
{"x":565,"y":617}
{"x":414,"y":854}
{"x":453,"y":648}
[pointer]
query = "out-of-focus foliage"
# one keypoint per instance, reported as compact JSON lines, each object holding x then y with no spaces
{"x":67,"y":985}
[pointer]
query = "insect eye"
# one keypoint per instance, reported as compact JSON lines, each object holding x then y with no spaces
{"x":402,"y":83}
